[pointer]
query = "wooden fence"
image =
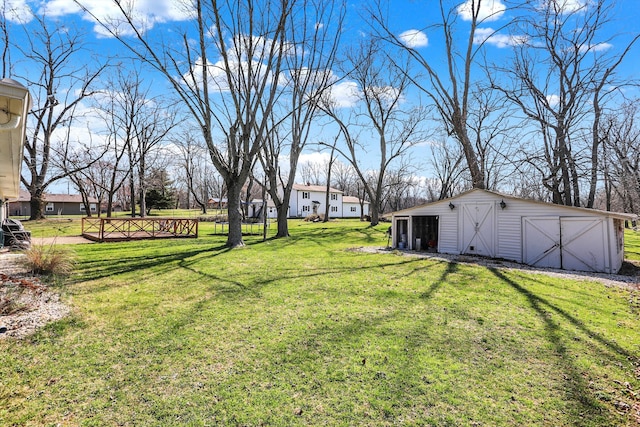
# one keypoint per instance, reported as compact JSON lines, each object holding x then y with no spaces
{"x":118,"y":229}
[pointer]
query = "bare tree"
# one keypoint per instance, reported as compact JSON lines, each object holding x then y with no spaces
{"x":195,"y":167}
{"x":313,"y":34}
{"x":446,"y":162}
{"x":621,"y":136}
{"x":4,"y":39}
{"x":450,"y":91}
{"x":58,"y":84}
{"x":344,"y":177}
{"x":395,"y":126}
{"x":330,"y":162}
{"x":560,"y":79}
{"x":313,"y":172}
{"x":152,"y":124}
{"x":225,"y":73}
{"x":121,"y":108}
{"x":401,"y":187}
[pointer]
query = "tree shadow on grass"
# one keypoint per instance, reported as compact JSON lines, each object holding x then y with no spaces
{"x":578,"y":391}
{"x":282,"y":274}
{"x":452,"y":267}
{"x":141,"y":262}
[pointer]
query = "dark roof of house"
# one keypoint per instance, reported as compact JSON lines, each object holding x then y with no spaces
{"x":56,"y":198}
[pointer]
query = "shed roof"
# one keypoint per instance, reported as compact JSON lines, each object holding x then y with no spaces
{"x":618,"y":215}
{"x":353,"y":199}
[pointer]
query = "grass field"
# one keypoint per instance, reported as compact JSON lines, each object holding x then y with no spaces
{"x":306,"y":331}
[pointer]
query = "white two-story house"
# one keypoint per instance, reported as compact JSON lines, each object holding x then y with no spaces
{"x":307,"y":199}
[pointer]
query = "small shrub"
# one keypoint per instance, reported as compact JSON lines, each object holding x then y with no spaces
{"x":49,"y":260}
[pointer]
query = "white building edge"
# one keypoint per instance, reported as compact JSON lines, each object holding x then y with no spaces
{"x":15,"y":103}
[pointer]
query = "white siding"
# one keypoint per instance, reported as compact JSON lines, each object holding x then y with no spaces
{"x":352,"y":210}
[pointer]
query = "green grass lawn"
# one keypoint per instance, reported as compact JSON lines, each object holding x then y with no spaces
{"x":632,"y":245}
{"x":306,"y":331}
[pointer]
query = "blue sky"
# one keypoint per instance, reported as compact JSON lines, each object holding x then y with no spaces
{"x":411,"y":19}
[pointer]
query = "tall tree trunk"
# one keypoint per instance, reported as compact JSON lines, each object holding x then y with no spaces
{"x":142,"y":187}
{"x":37,"y":205}
{"x":132,"y":195}
{"x":327,"y":208}
{"x":234,"y":214}
{"x":283,"y":221}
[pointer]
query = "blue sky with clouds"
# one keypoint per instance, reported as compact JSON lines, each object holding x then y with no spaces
{"x":414,"y":21}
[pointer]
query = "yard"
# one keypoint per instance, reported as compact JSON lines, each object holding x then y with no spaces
{"x":307,"y":331}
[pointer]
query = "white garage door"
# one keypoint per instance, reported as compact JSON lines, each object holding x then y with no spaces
{"x":583,"y":244}
{"x":572,"y":243}
{"x":477,"y":228}
{"x":542,"y":241}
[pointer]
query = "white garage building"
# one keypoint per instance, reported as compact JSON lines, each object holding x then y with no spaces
{"x":481,"y":222}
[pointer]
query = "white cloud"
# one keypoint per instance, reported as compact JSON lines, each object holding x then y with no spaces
{"x":414,"y":38}
{"x":490,"y":10}
{"x":16,"y":11}
{"x":553,"y":100}
{"x":345,"y":94}
{"x":387,"y":95}
{"x":566,"y":6}
{"x":315,"y":158}
{"x":598,"y":47}
{"x":146,"y":13}
{"x":217,"y":77}
{"x":488,"y":35}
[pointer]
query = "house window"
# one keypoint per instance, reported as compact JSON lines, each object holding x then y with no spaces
{"x":49,"y":207}
{"x":334,"y":209}
{"x":305,"y":209}
{"x":334,"y":197}
{"x":353,"y":209}
{"x":305,"y":194}
{"x":92,"y":206}
{"x":82,"y":207}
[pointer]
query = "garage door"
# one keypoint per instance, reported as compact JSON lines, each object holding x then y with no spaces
{"x":572,"y":243}
{"x":477,"y":228}
{"x":583,"y":244}
{"x":542,"y":241}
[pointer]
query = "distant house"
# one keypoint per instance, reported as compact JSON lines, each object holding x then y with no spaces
{"x":352,"y":207}
{"x":256,"y":206}
{"x":307,"y":199}
{"x":55,"y":204}
{"x":217,"y":203}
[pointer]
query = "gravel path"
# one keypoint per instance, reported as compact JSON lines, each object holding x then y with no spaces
{"x":626,"y":281}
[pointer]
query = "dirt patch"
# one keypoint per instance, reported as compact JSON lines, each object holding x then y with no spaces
{"x":26,"y":304}
{"x":63,"y":240}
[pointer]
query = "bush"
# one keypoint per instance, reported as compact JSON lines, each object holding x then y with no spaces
{"x":49,"y":260}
